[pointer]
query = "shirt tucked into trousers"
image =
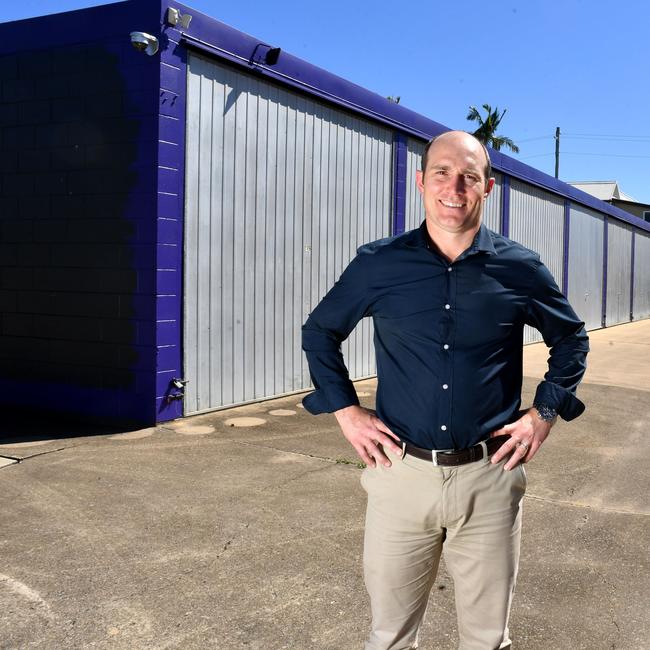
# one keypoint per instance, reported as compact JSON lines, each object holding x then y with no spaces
{"x":448,"y":340}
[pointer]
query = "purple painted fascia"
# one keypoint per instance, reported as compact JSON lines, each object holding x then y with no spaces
{"x":505,"y":207}
{"x":220,"y":40}
{"x":82,"y":26}
{"x":605,"y":247}
{"x":399,"y":182}
{"x":632,"y":277}
{"x":565,"y":250}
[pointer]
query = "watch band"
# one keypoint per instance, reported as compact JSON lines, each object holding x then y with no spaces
{"x":545,"y":412}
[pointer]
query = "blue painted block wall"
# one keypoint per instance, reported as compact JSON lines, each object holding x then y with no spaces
{"x":79,"y":204}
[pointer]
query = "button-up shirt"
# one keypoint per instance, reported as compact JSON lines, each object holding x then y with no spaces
{"x":448,"y":337}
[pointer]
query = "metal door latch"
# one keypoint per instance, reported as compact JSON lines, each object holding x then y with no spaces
{"x":178,"y":384}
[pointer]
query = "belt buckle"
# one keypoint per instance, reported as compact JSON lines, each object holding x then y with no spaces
{"x":434,"y":455}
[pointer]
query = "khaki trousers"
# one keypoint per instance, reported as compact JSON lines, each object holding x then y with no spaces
{"x":415,"y":511}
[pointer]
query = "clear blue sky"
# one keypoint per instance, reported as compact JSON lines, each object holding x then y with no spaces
{"x":582,"y":65}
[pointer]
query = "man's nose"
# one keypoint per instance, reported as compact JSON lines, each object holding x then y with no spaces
{"x":459,"y":182}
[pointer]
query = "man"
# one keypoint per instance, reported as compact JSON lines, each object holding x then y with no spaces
{"x":449,"y":302}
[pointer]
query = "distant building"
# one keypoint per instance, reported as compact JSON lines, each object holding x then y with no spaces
{"x":610,"y":192}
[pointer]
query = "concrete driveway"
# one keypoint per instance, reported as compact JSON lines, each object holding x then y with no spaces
{"x":206,"y":534}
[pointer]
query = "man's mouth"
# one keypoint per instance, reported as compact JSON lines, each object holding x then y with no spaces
{"x":452,"y":204}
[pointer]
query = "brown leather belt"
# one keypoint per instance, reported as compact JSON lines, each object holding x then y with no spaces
{"x":460,"y":457}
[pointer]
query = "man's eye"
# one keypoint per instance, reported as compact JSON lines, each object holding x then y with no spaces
{"x":471,"y":177}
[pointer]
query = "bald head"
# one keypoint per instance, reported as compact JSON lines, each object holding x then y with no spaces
{"x":461,"y":138}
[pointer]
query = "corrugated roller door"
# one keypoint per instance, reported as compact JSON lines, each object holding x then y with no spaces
{"x":280,"y":192}
{"x":619,"y":270}
{"x":414,"y":207}
{"x":537,"y":222}
{"x":586,"y":235}
{"x":641,"y":275}
{"x":492,"y":209}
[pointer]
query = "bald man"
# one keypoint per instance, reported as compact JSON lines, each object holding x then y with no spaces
{"x":446,"y":446}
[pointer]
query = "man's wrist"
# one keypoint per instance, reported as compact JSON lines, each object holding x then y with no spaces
{"x":545,"y":412}
{"x":345,"y":412}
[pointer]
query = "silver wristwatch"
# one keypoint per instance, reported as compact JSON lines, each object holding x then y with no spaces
{"x":545,"y":412}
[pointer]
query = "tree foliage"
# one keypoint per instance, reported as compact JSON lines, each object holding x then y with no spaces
{"x":486,"y":131}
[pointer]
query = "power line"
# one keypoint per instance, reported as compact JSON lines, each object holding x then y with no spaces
{"x":608,"y":135}
{"x":584,"y":153}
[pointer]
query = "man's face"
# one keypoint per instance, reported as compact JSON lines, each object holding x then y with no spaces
{"x":453,"y":186}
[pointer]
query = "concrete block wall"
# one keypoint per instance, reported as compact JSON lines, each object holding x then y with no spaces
{"x":78,"y":155}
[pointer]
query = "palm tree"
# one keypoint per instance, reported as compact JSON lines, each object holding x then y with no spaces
{"x":488,"y":126}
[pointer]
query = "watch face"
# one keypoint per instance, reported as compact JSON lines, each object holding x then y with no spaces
{"x":546,"y":413}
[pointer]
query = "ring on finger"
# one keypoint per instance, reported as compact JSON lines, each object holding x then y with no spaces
{"x":523,"y":444}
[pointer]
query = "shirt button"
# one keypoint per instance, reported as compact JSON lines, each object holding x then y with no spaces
{"x":445,"y":386}
{"x":449,"y":269}
{"x":443,"y":427}
{"x":447,"y":306}
{"x":446,"y":346}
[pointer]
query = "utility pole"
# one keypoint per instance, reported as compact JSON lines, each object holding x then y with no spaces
{"x":557,"y":152}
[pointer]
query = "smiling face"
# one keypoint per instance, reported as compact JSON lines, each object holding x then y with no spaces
{"x":454,"y":186}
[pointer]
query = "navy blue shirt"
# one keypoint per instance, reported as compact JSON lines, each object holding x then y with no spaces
{"x":448,"y":337}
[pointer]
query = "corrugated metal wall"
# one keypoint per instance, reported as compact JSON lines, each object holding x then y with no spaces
{"x":280,"y":191}
{"x":537,"y":222}
{"x":641,"y":275}
{"x":619,"y":254}
{"x":585,"y":286}
{"x":492,"y":210}
{"x":414,"y":207}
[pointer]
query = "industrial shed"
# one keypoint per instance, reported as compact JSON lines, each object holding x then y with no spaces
{"x":176,"y":216}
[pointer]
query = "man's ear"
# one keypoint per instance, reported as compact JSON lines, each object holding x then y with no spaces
{"x":419,"y":181}
{"x":488,"y":189}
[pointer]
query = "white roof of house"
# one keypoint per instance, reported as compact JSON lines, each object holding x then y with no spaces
{"x":603,"y":190}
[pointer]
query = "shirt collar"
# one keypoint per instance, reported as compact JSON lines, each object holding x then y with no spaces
{"x":482,"y":241}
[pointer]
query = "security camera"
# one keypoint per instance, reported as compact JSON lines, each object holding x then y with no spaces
{"x":144,"y":42}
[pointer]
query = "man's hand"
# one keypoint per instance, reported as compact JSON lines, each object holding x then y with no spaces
{"x":526,"y":436}
{"x":367,"y":434}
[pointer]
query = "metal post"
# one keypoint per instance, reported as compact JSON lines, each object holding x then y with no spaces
{"x":557,"y":152}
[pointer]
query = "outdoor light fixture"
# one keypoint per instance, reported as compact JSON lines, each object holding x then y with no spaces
{"x":144,"y":42}
{"x":270,"y":57}
{"x":174,"y":17}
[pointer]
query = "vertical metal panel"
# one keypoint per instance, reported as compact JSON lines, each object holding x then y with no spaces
{"x":414,"y":207}
{"x":619,"y":271}
{"x":537,"y":222}
{"x":586,"y":265}
{"x":641,"y":305}
{"x":492,"y":209}
{"x":280,"y":192}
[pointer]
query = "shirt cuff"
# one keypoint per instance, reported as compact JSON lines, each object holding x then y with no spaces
{"x":567,"y":405}
{"x":330,"y":400}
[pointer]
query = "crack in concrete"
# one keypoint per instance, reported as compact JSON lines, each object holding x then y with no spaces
{"x":40,"y":453}
{"x":327,"y":459}
{"x":226,"y":546}
{"x":578,"y":504}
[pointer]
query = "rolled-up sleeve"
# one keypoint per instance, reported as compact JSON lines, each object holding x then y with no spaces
{"x":329,"y":324}
{"x":564,"y":333}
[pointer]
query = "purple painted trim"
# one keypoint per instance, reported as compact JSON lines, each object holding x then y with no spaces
{"x":399,"y":182}
{"x":632,"y":277}
{"x":505,"y":206}
{"x":170,"y":219}
{"x":565,"y":252}
{"x":605,"y":247}
{"x":220,"y":40}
